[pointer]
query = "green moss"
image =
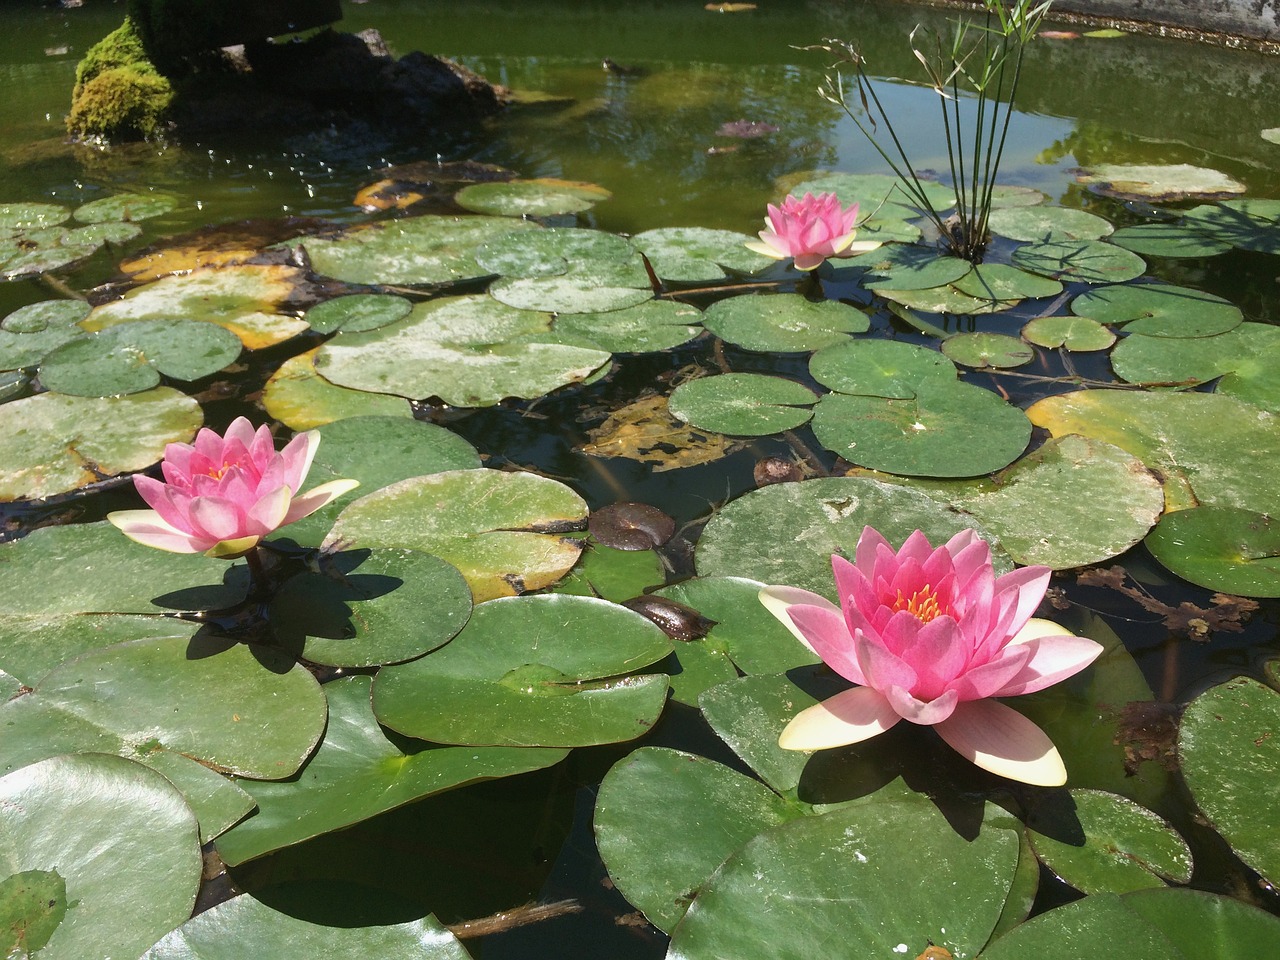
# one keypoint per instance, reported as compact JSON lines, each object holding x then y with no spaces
{"x":122,"y":47}
{"x":121,"y":103}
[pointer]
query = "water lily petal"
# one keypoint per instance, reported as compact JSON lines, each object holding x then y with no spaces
{"x":924,"y":712}
{"x":826,"y":635}
{"x":978,"y":683}
{"x":882,"y":668}
{"x":766,"y":248}
{"x":1054,"y":655}
{"x":148,"y":528}
{"x":1030,"y":583}
{"x":296,"y":458}
{"x":809,"y":261}
{"x":998,"y":738}
{"x":269,"y":512}
{"x":777,"y":599}
{"x":314,"y":499}
{"x":219,"y":518}
{"x":851,"y":716}
{"x":230,"y":549}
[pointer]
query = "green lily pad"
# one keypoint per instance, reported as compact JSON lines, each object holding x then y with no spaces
{"x":468,"y":351}
{"x":1193,"y":440}
{"x":743,"y":404}
{"x":358,"y":772}
{"x":1011,"y":195}
{"x":1174,"y":181}
{"x":999,"y":281}
{"x":753,"y":638}
{"x":45,"y":250}
{"x":647,"y":327}
{"x":821,"y":517}
{"x":665,"y":820}
{"x":71,"y":589}
{"x":1166,"y":924}
{"x":552,"y":252}
{"x":119,"y":836}
{"x":26,"y":216}
{"x":868,"y":190}
{"x":221,"y":933}
{"x":1044,"y":224}
{"x":1230,"y":759}
{"x":110,"y":231}
{"x":795,"y":884}
{"x":611,"y":573}
{"x":362,"y":609}
{"x":216,"y":801}
{"x":32,"y":904}
{"x":1223,"y":548}
{"x":948,"y":429}
{"x":32,"y":332}
{"x":1102,"y":843}
{"x":946,"y":299}
{"x":1070,"y":502}
{"x":1170,"y":240}
{"x":698,"y":254}
{"x":301,"y":399}
{"x":357,"y":312}
{"x":880,"y":368}
{"x":1247,"y":223}
{"x":377,"y":451}
{"x":1159,"y":310}
{"x":54,"y":444}
{"x":1083,"y":261}
{"x":249,"y":300}
{"x":131,"y":357}
{"x":125,"y":206}
{"x":904,"y":267}
{"x":783,"y":322}
{"x":572,"y":293}
{"x":988,"y":350}
{"x":411,"y":250}
{"x":499,"y":529}
{"x":197,"y":697}
{"x":1189,"y":361}
{"x":530,"y":198}
{"x":530,"y":671}
{"x":1078,"y":334}
{"x":45,"y":315}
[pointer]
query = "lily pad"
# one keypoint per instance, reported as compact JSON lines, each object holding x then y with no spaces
{"x":821,"y":517}
{"x":26,"y":216}
{"x":1083,"y":261}
{"x":1223,"y":548}
{"x":645,"y":328}
{"x":1102,"y":843}
{"x":531,"y":198}
{"x":1175,"y":181}
{"x":412,"y":250}
{"x":572,"y":293}
{"x":1242,"y":352}
{"x":698,"y":254}
{"x":868,"y":190}
{"x":32,"y":332}
{"x":1078,"y":334}
{"x":249,"y":300}
{"x":221,"y":932}
{"x":500,"y":529}
{"x":946,"y":299}
{"x":880,"y":368}
{"x":1170,"y":240}
{"x":1211,"y":450}
{"x":1230,"y":757}
{"x":54,"y":443}
{"x":552,"y":252}
{"x":612,"y":573}
{"x":301,"y":399}
{"x":530,"y":671}
{"x":32,"y":904}
{"x":783,"y":323}
{"x":357,"y":312}
{"x":903,"y":267}
{"x":1159,"y":310}
{"x":744,"y":404}
{"x":119,"y":836}
{"x":988,"y":350}
{"x":1043,"y":224}
{"x":468,"y":351}
{"x":1248,"y":224}
{"x":131,"y":357}
{"x":947,"y":429}
{"x":125,"y":206}
{"x":206,"y":700}
{"x":359,"y":772}
{"x":999,"y":281}
{"x":45,"y":250}
{"x":665,"y":820}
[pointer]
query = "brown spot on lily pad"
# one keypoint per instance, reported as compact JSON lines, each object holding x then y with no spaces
{"x":631,"y":526}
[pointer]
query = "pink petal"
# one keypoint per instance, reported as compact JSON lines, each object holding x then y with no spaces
{"x":269,"y":512}
{"x":241,"y":430}
{"x":988,"y":679}
{"x":766,"y":248}
{"x":808,"y":261}
{"x":849,"y":717}
{"x":881,"y":668}
{"x":826,"y":635}
{"x":777,"y":600}
{"x":939,"y":654}
{"x":1031,"y":583}
{"x":147,"y":528}
{"x":230,"y":549}
{"x":925,"y":712}
{"x":314,"y":499}
{"x":297,"y":456}
{"x":869,"y":544}
{"x":1055,"y":655}
{"x":220,"y":519}
{"x":999,"y":739}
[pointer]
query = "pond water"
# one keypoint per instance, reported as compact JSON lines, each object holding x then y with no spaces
{"x":651,"y":134}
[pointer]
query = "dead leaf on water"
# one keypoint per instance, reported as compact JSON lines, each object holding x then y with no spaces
{"x":730,"y":7}
{"x":215,"y":246}
{"x":646,"y":431}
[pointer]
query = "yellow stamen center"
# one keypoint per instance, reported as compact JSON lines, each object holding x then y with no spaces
{"x":923,"y":604}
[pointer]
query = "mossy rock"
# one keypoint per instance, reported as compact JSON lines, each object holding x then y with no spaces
{"x":122,"y":47}
{"x":119,"y":95}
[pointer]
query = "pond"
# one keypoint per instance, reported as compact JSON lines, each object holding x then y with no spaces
{"x":1096,"y":397}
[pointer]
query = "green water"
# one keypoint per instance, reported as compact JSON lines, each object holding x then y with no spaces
{"x":651,"y":138}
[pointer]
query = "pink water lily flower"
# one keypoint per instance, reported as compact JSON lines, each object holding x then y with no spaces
{"x":810,"y":229}
{"x":221,"y":495}
{"x":932,"y":635}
